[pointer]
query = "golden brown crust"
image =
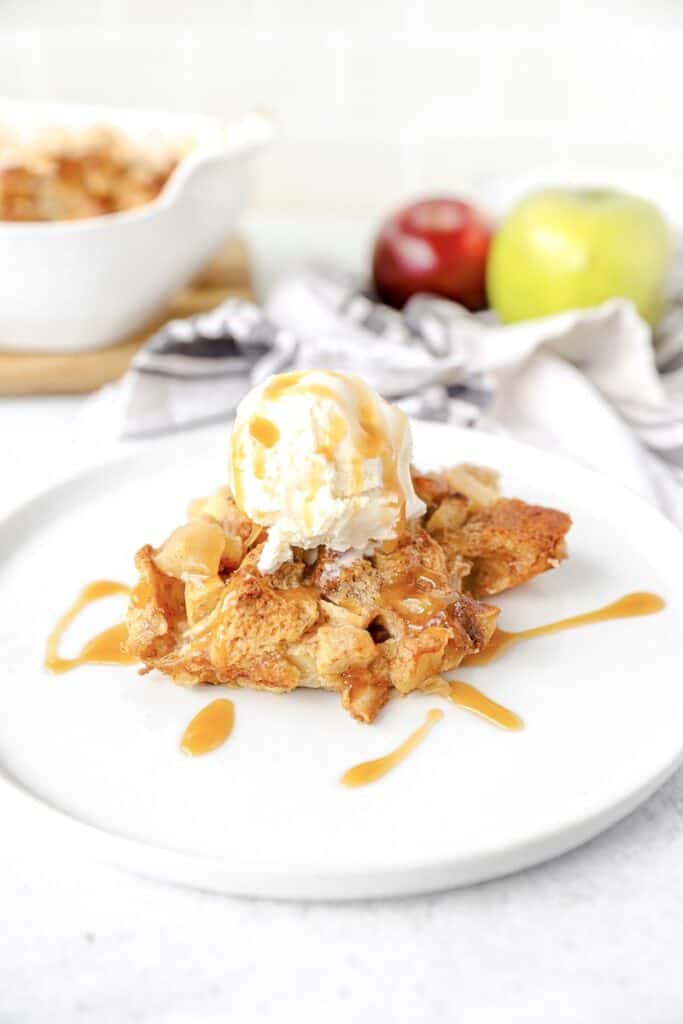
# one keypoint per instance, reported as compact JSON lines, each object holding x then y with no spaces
{"x":354,"y":587}
{"x":507,"y":543}
{"x":366,"y":691}
{"x":365,"y":627}
{"x":416,"y":554}
{"x":156,"y":614}
{"x":475,"y":619}
{"x":491,"y":543}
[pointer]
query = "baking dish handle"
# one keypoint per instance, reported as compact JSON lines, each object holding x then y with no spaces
{"x":241,"y":138}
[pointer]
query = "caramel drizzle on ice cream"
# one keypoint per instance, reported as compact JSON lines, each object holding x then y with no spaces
{"x":371,"y":441}
{"x":264,"y":431}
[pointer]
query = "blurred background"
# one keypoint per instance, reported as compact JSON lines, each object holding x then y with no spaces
{"x":377,"y":100}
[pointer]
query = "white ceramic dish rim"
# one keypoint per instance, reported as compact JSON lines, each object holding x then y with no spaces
{"x":284,"y":879}
{"x":215,"y":139}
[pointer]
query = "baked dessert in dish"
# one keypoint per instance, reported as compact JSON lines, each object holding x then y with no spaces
{"x":75,"y":175}
{"x":353,"y":573}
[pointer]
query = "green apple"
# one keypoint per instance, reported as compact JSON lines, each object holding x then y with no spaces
{"x":573,"y":248}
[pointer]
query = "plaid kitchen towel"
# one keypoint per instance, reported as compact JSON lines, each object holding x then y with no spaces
{"x":588,"y":383}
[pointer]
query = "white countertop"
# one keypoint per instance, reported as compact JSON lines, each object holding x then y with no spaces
{"x":594,"y":936}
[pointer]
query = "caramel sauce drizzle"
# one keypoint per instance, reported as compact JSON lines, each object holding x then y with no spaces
{"x":335,"y":434}
{"x":267,"y":434}
{"x":370,"y":771}
{"x":418,"y":596}
{"x":209,"y":729}
{"x":390,"y":476}
{"x":315,"y":477}
{"x":373,"y":439}
{"x":236,"y":457}
{"x":471,"y":699}
{"x":260,"y":462}
{"x":629,"y":606}
{"x":285,"y":382}
{"x":105,"y":648}
{"x":264,"y":431}
{"x":411,"y":596}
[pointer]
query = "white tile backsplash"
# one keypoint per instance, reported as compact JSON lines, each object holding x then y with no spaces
{"x":414,"y":93}
{"x":296,"y":81}
{"x":40,"y":14}
{"x":327,"y":174}
{"x":114,"y":71}
{"x":19,"y":65}
{"x":377,"y":100}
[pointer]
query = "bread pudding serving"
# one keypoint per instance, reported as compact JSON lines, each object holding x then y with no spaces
{"x":328,"y":561}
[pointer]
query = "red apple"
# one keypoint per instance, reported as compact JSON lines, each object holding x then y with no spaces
{"x":436,"y":245}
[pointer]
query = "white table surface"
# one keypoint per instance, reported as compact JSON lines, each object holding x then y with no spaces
{"x":594,"y":936}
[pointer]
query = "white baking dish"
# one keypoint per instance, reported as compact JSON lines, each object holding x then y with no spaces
{"x":84,"y":284}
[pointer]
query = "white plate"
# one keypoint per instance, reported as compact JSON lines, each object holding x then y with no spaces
{"x":91,"y":759}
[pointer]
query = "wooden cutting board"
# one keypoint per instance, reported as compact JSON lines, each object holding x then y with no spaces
{"x":54,"y":373}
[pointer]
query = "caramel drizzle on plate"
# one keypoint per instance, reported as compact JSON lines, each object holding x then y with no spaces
{"x":629,"y":606}
{"x":209,"y":729}
{"x":370,"y":771}
{"x":472,"y":699}
{"x":212,"y":726}
{"x":103,"y":649}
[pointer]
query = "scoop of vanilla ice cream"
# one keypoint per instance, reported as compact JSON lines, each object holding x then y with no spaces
{"x":318,"y":458}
